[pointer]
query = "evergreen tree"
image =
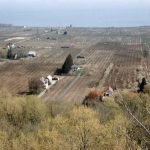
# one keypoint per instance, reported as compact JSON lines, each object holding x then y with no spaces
{"x":9,"y":53}
{"x":142,"y":85}
{"x":67,"y":64}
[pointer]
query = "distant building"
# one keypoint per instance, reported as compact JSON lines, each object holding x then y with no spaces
{"x":32,"y":54}
{"x":49,"y":77}
{"x":49,"y":81}
{"x":75,"y":67}
{"x":65,"y":33}
{"x":109,"y":91}
{"x":80,"y":57}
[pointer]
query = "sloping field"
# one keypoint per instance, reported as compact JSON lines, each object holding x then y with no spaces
{"x":124,"y":49}
{"x":15,"y":76}
{"x":76,"y":88}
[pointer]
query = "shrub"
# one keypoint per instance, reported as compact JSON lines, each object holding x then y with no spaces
{"x":147,"y":89}
{"x":136,"y":106}
{"x":22,"y":112}
{"x":92,"y":98}
{"x":3,"y":54}
{"x":35,"y":86}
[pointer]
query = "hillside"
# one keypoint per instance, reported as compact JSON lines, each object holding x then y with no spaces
{"x":119,"y":123}
{"x":83,"y":89}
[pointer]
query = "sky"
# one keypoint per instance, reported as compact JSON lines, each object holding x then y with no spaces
{"x":79,"y":12}
{"x":36,"y":5}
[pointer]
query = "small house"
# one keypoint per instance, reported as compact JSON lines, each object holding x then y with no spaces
{"x":49,"y":81}
{"x":31,"y":54}
{"x":109,"y":91}
{"x":75,"y":67}
{"x":49,"y":78}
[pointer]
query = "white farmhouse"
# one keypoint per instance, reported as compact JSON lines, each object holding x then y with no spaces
{"x":49,"y":77}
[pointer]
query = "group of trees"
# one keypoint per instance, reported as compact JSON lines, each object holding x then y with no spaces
{"x":16,"y":52}
{"x":27,"y":123}
{"x":136,"y":108}
{"x":10,"y":53}
{"x":119,"y":123}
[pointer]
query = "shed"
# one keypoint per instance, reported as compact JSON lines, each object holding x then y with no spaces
{"x":75,"y":67}
{"x":32,"y":54}
{"x":80,"y":56}
{"x":109,"y":91}
{"x":49,"y":77}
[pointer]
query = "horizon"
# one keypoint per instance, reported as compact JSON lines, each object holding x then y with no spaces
{"x":29,"y":26}
{"x":108,"y":13}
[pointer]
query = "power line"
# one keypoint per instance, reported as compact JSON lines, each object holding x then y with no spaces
{"x":129,"y":111}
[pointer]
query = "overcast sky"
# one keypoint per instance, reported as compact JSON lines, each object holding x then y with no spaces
{"x":35,"y":5}
{"x":78,"y":12}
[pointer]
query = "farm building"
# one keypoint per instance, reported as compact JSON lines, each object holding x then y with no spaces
{"x":80,"y":56}
{"x":31,"y":54}
{"x":49,"y":80}
{"x":75,"y":67}
{"x":108,"y":91}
